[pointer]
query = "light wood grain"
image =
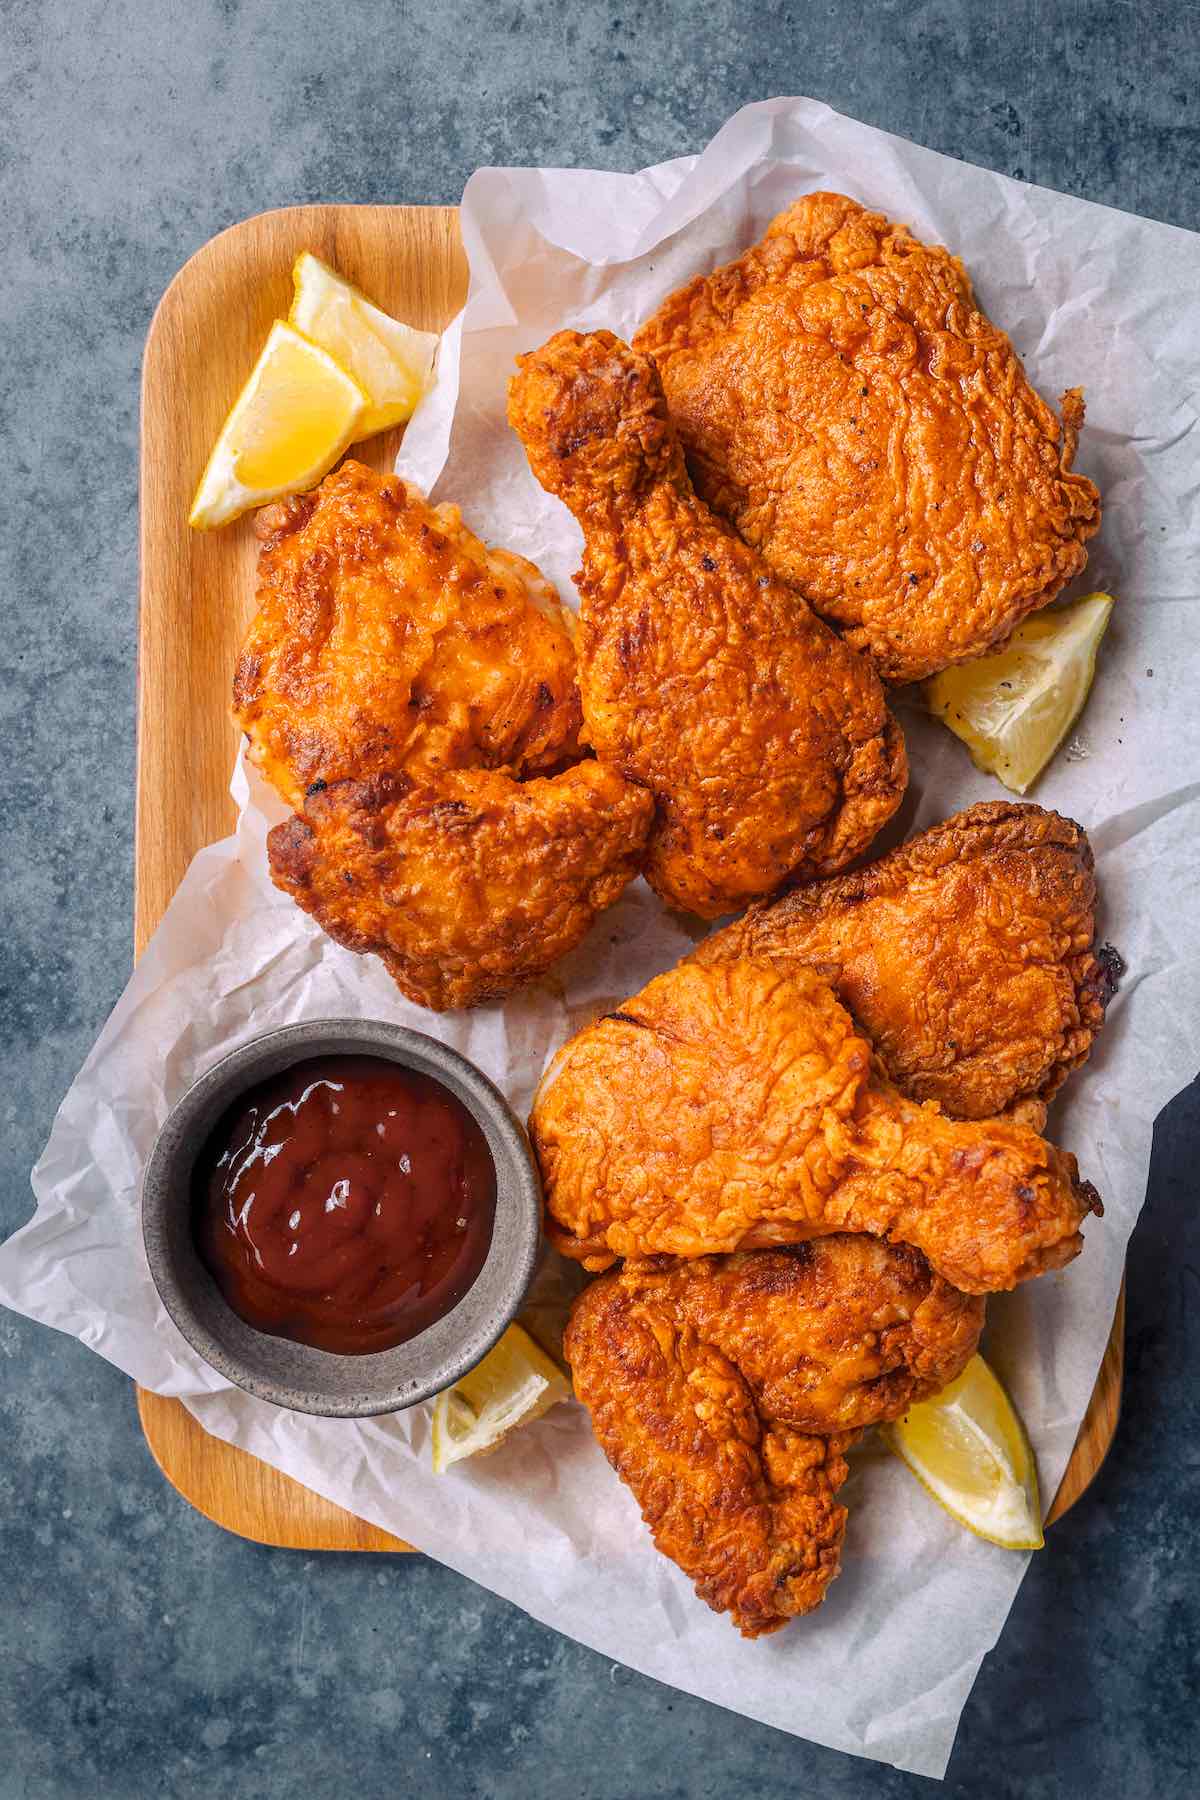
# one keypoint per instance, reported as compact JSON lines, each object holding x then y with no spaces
{"x":197,"y":588}
{"x":196,"y":599}
{"x":1094,"y":1440}
{"x":246,"y":1495}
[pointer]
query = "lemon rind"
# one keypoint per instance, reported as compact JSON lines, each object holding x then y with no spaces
{"x":987,"y":752}
{"x":1008,"y":1451}
{"x":234,"y":495}
{"x":500,"y":1410}
{"x":417,"y":367}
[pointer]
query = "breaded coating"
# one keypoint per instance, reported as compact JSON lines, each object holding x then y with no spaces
{"x":966,"y":956}
{"x":846,"y":405}
{"x":729,"y":1106}
{"x":725,"y":1390}
{"x":388,"y":639}
{"x":765,"y":740}
{"x":469,"y":888}
{"x":413,"y":694}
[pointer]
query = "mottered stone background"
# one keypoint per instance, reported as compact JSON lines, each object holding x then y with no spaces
{"x":144,"y":1652}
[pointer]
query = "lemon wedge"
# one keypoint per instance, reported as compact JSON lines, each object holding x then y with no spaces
{"x":968,"y":1448}
{"x":1012,"y":710}
{"x":391,"y":362}
{"x":287,"y":428}
{"x":515,"y":1383}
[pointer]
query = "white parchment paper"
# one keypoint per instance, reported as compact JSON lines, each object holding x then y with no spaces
{"x":1090,"y":296}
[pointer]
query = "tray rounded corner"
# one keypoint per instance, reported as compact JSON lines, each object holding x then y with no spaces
{"x":248,"y":1497}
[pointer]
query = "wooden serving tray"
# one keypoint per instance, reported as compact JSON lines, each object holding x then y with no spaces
{"x":196,"y":599}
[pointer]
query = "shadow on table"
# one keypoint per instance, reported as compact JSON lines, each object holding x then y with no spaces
{"x":1092,"y":1686}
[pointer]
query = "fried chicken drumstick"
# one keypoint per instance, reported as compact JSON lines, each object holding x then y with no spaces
{"x":764,"y":740}
{"x":966,"y":956}
{"x":729,"y":1106}
{"x":725,"y":1391}
{"x":846,"y":405}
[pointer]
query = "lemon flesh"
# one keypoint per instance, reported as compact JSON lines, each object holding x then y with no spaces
{"x":391,"y":362}
{"x":515,"y":1383}
{"x":1012,"y":710}
{"x":968,"y":1448}
{"x":287,"y":428}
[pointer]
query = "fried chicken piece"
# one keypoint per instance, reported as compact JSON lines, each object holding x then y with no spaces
{"x":765,"y":741}
{"x":398,"y":678}
{"x":724,"y":1391}
{"x":966,"y":956}
{"x":729,"y":1106}
{"x":829,"y":1336}
{"x":846,"y":405}
{"x":388,"y":639}
{"x":468,"y":888}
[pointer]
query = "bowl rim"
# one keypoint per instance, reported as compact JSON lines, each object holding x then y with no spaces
{"x":454,"y":1343}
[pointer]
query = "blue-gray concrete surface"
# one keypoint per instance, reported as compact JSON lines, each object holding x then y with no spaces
{"x":142,"y":1651}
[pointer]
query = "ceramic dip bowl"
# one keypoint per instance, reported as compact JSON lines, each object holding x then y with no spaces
{"x":296,"y":1375}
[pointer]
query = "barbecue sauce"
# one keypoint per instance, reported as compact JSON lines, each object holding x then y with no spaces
{"x":346,"y":1203}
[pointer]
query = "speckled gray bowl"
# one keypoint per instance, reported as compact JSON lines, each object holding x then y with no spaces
{"x":295,"y":1375}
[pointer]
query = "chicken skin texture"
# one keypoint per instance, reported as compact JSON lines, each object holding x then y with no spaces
{"x":729,"y":1106}
{"x":845,"y":404}
{"x":413,"y":694}
{"x":388,"y":639}
{"x":966,"y":956}
{"x":468,"y":888}
{"x":725,"y":1390}
{"x":764,"y":740}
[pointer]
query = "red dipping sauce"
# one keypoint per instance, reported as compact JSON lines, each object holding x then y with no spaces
{"x":346,"y":1203}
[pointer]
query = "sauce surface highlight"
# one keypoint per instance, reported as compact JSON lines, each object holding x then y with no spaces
{"x":346,"y":1203}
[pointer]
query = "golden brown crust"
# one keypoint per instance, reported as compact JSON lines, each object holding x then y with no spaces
{"x":729,"y":1106}
{"x":725,"y":1390}
{"x":469,"y":888}
{"x":389,"y":639}
{"x":398,"y":678}
{"x":846,"y":405}
{"x":765,"y":741}
{"x":748,"y":1513}
{"x":966,"y":955}
{"x":833,"y":1335}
